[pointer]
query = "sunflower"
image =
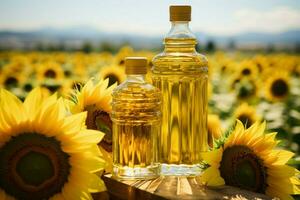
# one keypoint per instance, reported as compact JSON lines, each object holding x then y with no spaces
{"x":245,"y":88}
{"x":95,"y":98}
{"x":214,"y":128}
{"x":44,"y":152}
{"x":113,"y":73}
{"x":248,"y":160}
{"x":277,"y":86}
{"x":246,"y":114}
{"x":225,"y":65}
{"x":50,"y":70}
{"x":12,"y":80}
{"x":248,"y":68}
{"x":18,"y":63}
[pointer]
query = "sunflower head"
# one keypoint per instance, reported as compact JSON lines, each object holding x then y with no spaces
{"x":50,"y":71}
{"x":249,"y":161}
{"x":95,"y":98}
{"x":113,"y":73}
{"x":248,"y":68}
{"x":277,"y":87}
{"x":245,"y":88}
{"x":10,"y":79}
{"x":45,"y":152}
{"x":246,"y":114}
{"x":245,"y":166}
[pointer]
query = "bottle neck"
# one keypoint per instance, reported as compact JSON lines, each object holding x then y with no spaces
{"x":137,"y":78}
{"x":180,"y":37}
{"x":180,"y":26}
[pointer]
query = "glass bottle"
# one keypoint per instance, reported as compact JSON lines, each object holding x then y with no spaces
{"x":181,"y":75}
{"x":136,"y":120}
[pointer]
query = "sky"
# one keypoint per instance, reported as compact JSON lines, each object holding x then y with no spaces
{"x":150,"y":17}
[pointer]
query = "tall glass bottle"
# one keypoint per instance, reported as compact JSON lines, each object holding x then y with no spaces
{"x":181,"y":75}
{"x":136,"y":120}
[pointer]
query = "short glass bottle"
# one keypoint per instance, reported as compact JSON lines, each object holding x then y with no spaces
{"x":136,"y":120}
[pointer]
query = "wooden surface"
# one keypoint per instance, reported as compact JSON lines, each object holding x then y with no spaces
{"x":170,"y":188}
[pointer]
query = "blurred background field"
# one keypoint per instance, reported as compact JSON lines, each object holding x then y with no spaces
{"x":253,"y":50}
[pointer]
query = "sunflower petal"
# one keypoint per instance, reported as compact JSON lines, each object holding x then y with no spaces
{"x":12,"y":108}
{"x":107,"y":156}
{"x":211,"y":177}
{"x":87,"y":162}
{"x":74,"y":192}
{"x":282,"y":171}
{"x":275,"y":193}
{"x":87,"y":180}
{"x":33,"y":101}
{"x":89,"y":136}
{"x":213,"y":157}
{"x":78,"y":120}
{"x":283,"y":185}
{"x":283,"y":157}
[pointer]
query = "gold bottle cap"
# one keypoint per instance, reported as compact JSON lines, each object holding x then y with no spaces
{"x":180,"y":13}
{"x":136,"y":65}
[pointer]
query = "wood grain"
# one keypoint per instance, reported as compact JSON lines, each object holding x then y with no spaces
{"x":171,"y":188}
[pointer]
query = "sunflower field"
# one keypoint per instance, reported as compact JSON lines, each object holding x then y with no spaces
{"x":248,"y":87}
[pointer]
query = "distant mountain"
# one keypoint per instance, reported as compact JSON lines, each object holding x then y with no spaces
{"x":75,"y":36}
{"x":288,"y":37}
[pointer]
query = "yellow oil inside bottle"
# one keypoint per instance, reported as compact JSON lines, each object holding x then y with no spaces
{"x":136,"y":124}
{"x":181,"y":75}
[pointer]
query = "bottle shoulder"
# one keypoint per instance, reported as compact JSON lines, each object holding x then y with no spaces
{"x":136,"y":90}
{"x":180,"y":57}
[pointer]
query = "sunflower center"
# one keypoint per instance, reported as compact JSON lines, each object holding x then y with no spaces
{"x":33,"y":166}
{"x":50,"y":73}
{"x":241,"y":167}
{"x":122,"y":61}
{"x":52,"y":87}
{"x":246,"y":71}
{"x":279,"y":88}
{"x":112,"y":79}
{"x":246,"y":120}
{"x":100,"y":120}
{"x":11,"y":82}
{"x":243,"y":92}
{"x":246,"y":173}
{"x":223,"y":68}
{"x":67,"y":73}
{"x":28,"y":87}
